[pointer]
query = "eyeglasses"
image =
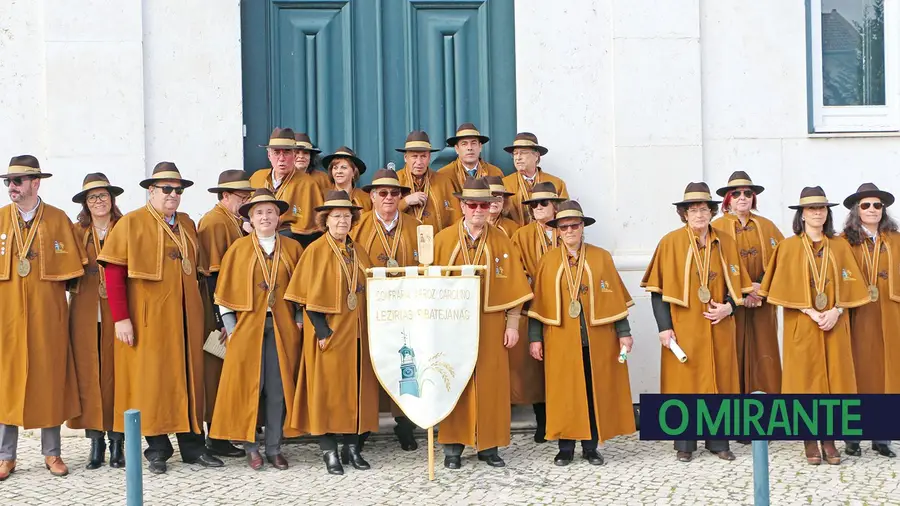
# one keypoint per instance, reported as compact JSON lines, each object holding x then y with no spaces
{"x":383,"y":193}
{"x":341,"y":217}
{"x":573,"y":226}
{"x":539,"y":203}
{"x":478,"y":205}
{"x":699,"y":210}
{"x":100,"y":197}
{"x":169,"y":189}
{"x":737,"y":193}
{"x":17,"y":181}
{"x":866,"y":205}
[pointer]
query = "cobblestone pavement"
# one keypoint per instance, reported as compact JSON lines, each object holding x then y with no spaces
{"x":636,"y":472}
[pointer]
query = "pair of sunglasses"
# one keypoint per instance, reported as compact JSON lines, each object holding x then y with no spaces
{"x":573,"y":226}
{"x":737,"y":193}
{"x":384,"y":193}
{"x":17,"y":180}
{"x":478,"y":205}
{"x":169,"y":189}
{"x":866,"y":205}
{"x":539,"y":203}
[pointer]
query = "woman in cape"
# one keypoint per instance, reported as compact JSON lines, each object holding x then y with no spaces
{"x":344,"y":169}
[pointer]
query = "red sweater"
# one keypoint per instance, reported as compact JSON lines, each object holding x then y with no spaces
{"x":115,"y":290}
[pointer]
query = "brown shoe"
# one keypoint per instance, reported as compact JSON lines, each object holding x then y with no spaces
{"x":255,"y":460}
{"x":56,"y":466}
{"x":684,"y":456}
{"x":813,"y":457}
{"x":7,"y":467}
{"x":832,"y":455}
{"x":278,"y":461}
{"x":724,"y":455}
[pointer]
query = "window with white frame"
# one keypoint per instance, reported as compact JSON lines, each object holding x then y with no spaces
{"x":854,"y":65}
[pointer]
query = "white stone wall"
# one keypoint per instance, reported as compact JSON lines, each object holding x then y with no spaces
{"x":116,"y":86}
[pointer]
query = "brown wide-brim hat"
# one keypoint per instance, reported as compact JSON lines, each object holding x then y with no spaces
{"x":812,"y":196}
{"x":94,"y":181}
{"x":24,"y":166}
{"x":866,"y":190}
{"x":166,"y":171}
{"x":417,"y":141}
{"x":233,"y":180}
{"x":281,"y":138}
{"x":696,"y":192}
{"x":526,"y":140}
{"x":497,"y":186}
{"x":467,"y":130}
{"x":739,"y":179}
{"x":337,"y":199}
{"x":386,"y":178}
{"x":304,"y":143}
{"x":344,"y":152}
{"x":477,"y":190}
{"x":543,"y":191}
{"x":570,"y":209}
{"x":263,"y":196}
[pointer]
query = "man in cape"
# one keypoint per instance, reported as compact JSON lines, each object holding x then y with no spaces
{"x":526,"y":154}
{"x":431,"y":198}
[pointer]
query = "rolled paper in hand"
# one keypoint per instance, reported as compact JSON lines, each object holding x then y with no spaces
{"x":677,"y":351}
{"x":623,"y":354}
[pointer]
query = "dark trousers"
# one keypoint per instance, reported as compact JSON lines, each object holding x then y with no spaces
{"x":271,"y":393}
{"x":330,"y":441}
{"x":456,"y":449}
{"x":713,"y":446}
{"x":191,"y":446}
{"x":98,"y":434}
{"x":304,"y":239}
{"x":568,"y":445}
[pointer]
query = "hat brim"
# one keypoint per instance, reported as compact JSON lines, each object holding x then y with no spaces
{"x":185,"y":183}
{"x":685,"y":202}
{"x":115,"y":191}
{"x":360,"y":165}
{"x":328,"y":207}
{"x":757,"y":189}
{"x":816,"y":204}
{"x":403,"y":189}
{"x":292,"y":148}
{"x":244,"y":210}
{"x":416,"y":150}
{"x":477,"y":199}
{"x":42,"y":175}
{"x":452,"y":141}
{"x":886,"y":198}
{"x":220,"y":189}
{"x":540,"y":149}
{"x":587,"y":220}
{"x":551,"y":199}
{"x":308,"y":150}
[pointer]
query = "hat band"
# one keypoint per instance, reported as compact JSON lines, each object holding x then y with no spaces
{"x":524,"y":143}
{"x":23,"y":169}
{"x":288,"y":143}
{"x":697,"y":196}
{"x":385,"y":181}
{"x":805,"y":201}
{"x":475,"y":194}
{"x":235,"y":184}
{"x":339,"y":203}
{"x":262,"y":199}
{"x":166,"y":174}
{"x":94,"y":185}
{"x":468,"y":133}
{"x":418,"y":144}
{"x":543,"y":196}
{"x":569,"y":213}
{"x":304,"y":145}
{"x":343,"y":153}
{"x":740,"y":182}
{"x":498,"y":188}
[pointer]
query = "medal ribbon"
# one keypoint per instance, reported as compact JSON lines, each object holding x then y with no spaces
{"x":100,"y":267}
{"x":25,"y":246}
{"x":269,"y":272}
{"x":575,"y":284}
{"x":231,"y":218}
{"x":545,"y":243}
{"x":702,"y":265}
{"x":351,"y":278}
{"x":464,"y":249}
{"x":179,"y":240}
{"x":279,"y":193}
{"x":420,"y":210}
{"x":524,"y":193}
{"x":871,"y":260}
{"x":390,"y":249}
{"x":818,"y":275}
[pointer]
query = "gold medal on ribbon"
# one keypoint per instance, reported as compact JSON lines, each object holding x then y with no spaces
{"x":180,"y":240}
{"x":101,"y":290}
{"x":271,"y":299}
{"x":351,"y":274}
{"x":703,"y":293}
{"x":574,"y":282}
{"x":574,"y":309}
{"x":870,"y":262}
{"x":480,"y":243}
{"x":269,"y":274}
{"x":873,"y":293}
{"x":352,"y":301}
{"x":23,"y":267}
{"x":186,"y":266}
{"x":819,"y":274}
{"x":392,"y":263}
{"x":389,"y":249}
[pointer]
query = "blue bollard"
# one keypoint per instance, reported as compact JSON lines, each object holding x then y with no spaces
{"x":134,"y":483}
{"x":760,"y":471}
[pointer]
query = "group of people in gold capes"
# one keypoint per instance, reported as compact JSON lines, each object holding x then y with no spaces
{"x":277,"y":269}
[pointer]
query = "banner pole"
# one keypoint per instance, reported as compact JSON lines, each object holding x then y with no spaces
{"x":431,"y":453}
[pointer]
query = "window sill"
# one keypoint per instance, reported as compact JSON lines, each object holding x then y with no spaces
{"x":827,"y":135}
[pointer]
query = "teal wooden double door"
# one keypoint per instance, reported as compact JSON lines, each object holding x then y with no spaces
{"x":363,"y":73}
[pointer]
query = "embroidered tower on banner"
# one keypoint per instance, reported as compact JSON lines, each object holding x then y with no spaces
{"x":409,"y":376}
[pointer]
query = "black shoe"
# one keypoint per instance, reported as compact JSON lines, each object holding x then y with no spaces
{"x":222,"y":448}
{"x":853,"y":449}
{"x":540,"y":434}
{"x":452,"y":461}
{"x":117,"y":454}
{"x":593,"y":457}
{"x":332,"y":463}
{"x":884,"y":450}
{"x":355,"y":458}
{"x":405,"y":436}
{"x":540,"y":417}
{"x":564,"y":458}
{"x":98,"y":453}
{"x":493,"y":460}
{"x":206,"y":460}
{"x":157,"y":466}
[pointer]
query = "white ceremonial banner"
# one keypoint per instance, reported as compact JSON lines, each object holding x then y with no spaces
{"x":423,"y":340}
